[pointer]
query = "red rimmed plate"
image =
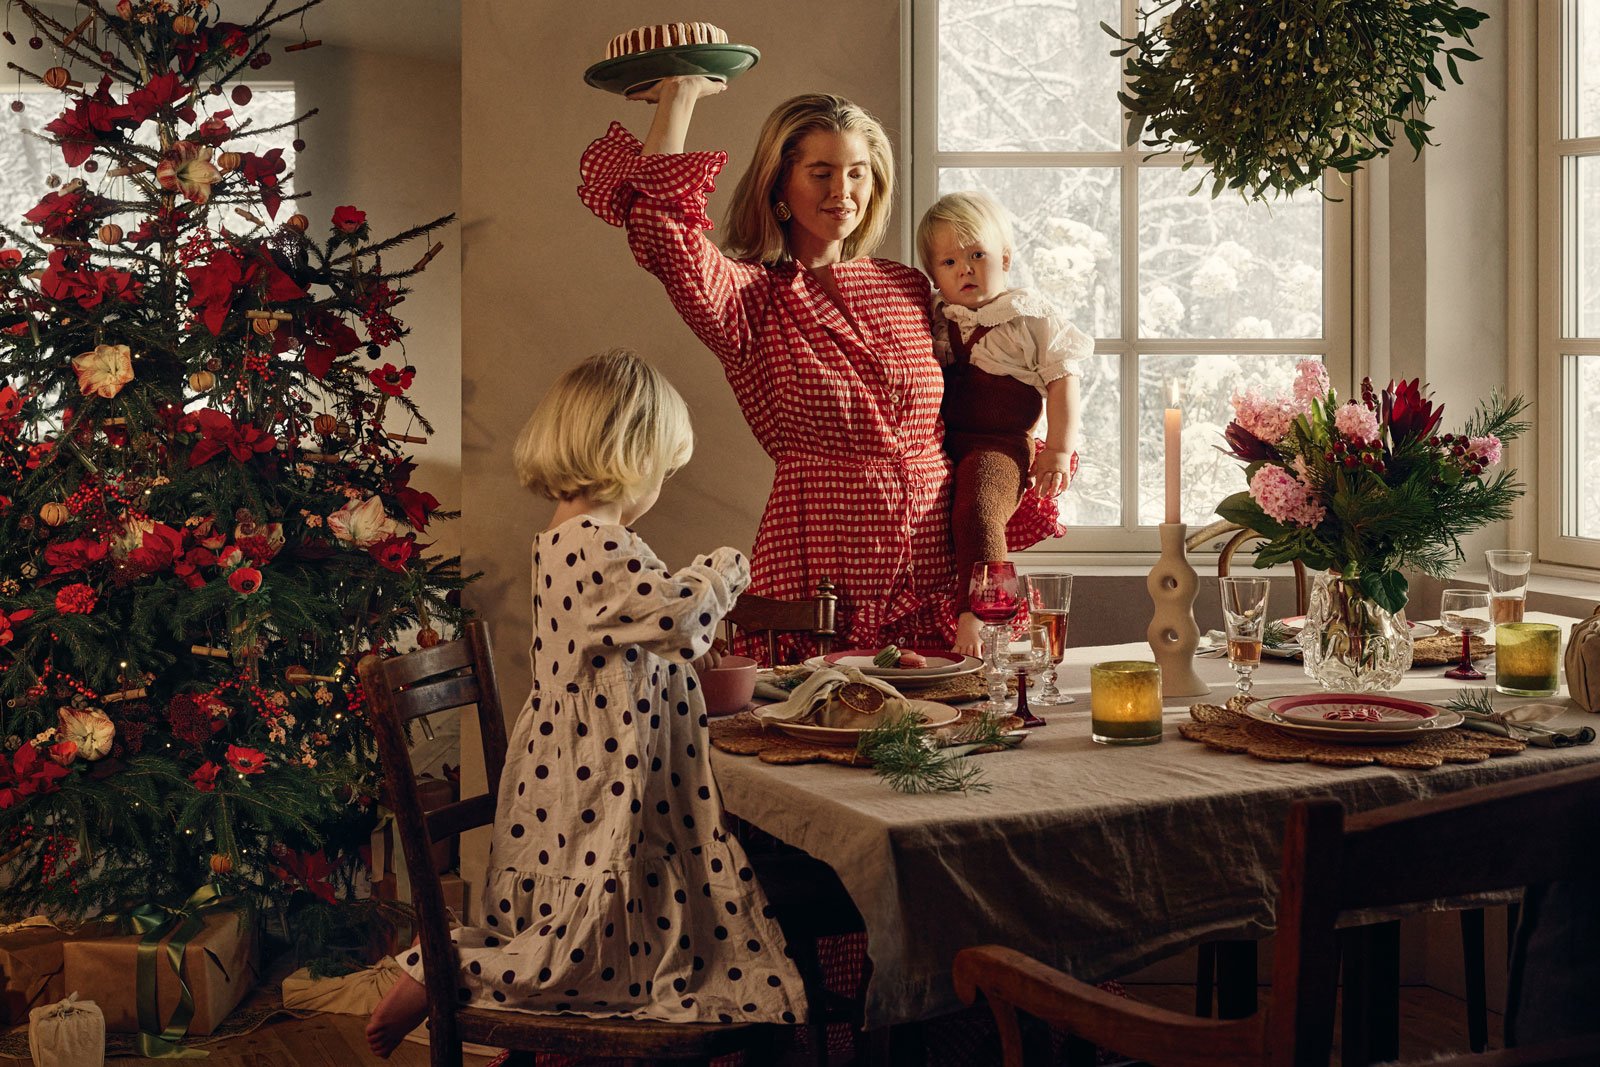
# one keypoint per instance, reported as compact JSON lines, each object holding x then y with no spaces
{"x":1359,"y":718}
{"x":942,"y":663}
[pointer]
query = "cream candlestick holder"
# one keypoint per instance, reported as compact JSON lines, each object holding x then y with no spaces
{"x":1173,"y":634}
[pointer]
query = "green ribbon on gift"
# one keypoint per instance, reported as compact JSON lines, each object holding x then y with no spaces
{"x":177,"y":927}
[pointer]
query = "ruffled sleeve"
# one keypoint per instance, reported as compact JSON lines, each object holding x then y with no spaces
{"x":1061,"y":346}
{"x":672,"y":614}
{"x":615,"y":175}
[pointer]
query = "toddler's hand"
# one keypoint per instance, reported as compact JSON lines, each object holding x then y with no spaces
{"x":694,"y":86}
{"x":1051,"y":473}
{"x":712,"y":658}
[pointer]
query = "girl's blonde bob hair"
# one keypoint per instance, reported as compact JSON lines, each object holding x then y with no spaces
{"x":971,"y":216}
{"x":607,"y":429}
{"x":753,"y":231}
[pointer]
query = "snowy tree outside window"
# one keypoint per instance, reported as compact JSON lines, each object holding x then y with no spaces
{"x":1217,"y":295}
{"x":1580,"y":220}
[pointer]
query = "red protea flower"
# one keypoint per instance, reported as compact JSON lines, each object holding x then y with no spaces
{"x":76,"y":599}
{"x":1246,"y":445}
{"x":1408,"y":413}
{"x":246,"y":760}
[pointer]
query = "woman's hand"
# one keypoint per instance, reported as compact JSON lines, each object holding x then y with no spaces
{"x":1051,"y":473}
{"x":667,"y":90}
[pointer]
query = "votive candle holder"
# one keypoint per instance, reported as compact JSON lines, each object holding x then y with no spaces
{"x":1527,"y":658}
{"x":1125,"y":702}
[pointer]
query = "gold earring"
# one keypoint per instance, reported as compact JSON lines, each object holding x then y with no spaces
{"x":781,"y":211}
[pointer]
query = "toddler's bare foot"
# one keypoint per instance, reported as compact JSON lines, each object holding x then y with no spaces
{"x":401,"y":1011}
{"x":969,"y":635}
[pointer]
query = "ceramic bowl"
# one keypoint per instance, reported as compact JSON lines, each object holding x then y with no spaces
{"x":728,"y":688}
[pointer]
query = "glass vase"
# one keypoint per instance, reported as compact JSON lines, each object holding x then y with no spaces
{"x":1350,"y":643}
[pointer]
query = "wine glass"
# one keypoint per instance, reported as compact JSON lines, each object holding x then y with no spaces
{"x":1244,"y":611}
{"x":1465,"y":612}
{"x":1027,"y":657}
{"x":1050,"y":601}
{"x":994,"y":596}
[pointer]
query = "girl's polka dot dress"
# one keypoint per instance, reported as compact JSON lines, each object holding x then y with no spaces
{"x":613,"y":889}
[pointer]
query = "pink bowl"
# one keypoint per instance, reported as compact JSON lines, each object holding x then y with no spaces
{"x":728,"y":688}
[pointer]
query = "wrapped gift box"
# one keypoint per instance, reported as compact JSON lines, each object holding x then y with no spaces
{"x":220,"y":965}
{"x":30,"y":968}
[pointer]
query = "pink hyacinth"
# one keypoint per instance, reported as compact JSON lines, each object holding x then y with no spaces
{"x":1310,"y":383}
{"x":1285,"y":498}
{"x":1488,"y":449}
{"x":1267,"y":417}
{"x":1357,"y":423}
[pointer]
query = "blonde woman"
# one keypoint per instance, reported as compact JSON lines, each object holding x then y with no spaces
{"x":612,"y":888}
{"x":828,"y":350}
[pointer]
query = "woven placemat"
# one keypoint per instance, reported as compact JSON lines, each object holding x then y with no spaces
{"x":1228,"y":729}
{"x":1443,"y":649}
{"x":745,"y":735}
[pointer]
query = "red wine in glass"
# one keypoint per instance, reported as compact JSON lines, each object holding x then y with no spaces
{"x":995,"y":597}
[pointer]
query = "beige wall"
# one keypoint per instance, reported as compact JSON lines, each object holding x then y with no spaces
{"x":547,"y":283}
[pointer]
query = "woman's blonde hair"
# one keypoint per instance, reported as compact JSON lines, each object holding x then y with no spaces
{"x":753,"y":231}
{"x":606,"y":429}
{"x":971,"y":216}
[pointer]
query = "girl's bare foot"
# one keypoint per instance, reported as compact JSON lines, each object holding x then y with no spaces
{"x":969,"y":635}
{"x":401,"y":1011}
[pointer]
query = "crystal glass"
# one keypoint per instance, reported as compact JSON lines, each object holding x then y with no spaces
{"x":1508,"y":582}
{"x":1028,"y":657}
{"x":1465,"y":612}
{"x":1049,"y":604}
{"x":994,"y":595}
{"x":1244,"y":611}
{"x":1351,"y":643}
{"x":1527,"y":658}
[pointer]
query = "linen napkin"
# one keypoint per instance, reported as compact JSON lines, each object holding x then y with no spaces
{"x":1525,"y":722}
{"x":810,"y":702}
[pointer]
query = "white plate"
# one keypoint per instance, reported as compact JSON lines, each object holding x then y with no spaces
{"x":1354,"y":733}
{"x":940,"y":667}
{"x":933,"y":715}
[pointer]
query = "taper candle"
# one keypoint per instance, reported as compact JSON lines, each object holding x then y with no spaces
{"x":1174,"y":454}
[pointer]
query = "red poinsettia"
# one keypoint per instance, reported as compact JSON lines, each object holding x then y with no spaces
{"x":29,"y":774}
{"x":79,"y":554}
{"x":147,"y":546}
{"x":392,"y":380}
{"x":76,"y":599}
{"x":417,"y":505}
{"x":263,"y":171}
{"x":246,"y":760}
{"x":394,"y":553}
{"x":188,"y":567}
{"x":8,"y":621}
{"x":214,"y":130}
{"x":245,"y":580}
{"x":312,"y":870}
{"x":348,"y":219}
{"x":205,"y":776}
{"x":67,"y":212}
{"x":87,"y":123}
{"x":221,"y":434}
{"x":161,"y":91}
{"x":214,"y":285}
{"x":64,"y":280}
{"x":326,"y":338}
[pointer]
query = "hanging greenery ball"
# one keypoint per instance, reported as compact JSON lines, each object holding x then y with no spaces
{"x":1270,"y":96}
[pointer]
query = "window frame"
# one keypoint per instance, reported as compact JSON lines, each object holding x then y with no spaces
{"x":1555,"y":88}
{"x":1342,"y":223}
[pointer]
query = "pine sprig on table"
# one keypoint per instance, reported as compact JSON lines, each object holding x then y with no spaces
{"x":1473,"y":702}
{"x":1276,"y":635}
{"x":904,"y":754}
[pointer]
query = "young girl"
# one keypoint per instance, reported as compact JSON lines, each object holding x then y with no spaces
{"x":612,"y":888}
{"x":1005,"y":352}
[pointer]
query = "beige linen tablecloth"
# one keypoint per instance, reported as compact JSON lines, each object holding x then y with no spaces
{"x":1095,"y":859}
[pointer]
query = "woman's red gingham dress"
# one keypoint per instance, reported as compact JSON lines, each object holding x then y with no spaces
{"x":850,"y":414}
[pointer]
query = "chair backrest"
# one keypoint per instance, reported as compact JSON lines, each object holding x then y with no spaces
{"x":456,"y":674}
{"x":1505,"y":836}
{"x":1225,"y":557}
{"x":770,"y":617}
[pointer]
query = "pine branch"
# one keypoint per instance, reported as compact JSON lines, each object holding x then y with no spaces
{"x":398,"y":239}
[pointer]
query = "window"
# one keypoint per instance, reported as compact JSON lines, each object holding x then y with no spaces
{"x":1569,"y":282}
{"x":1019,"y":98}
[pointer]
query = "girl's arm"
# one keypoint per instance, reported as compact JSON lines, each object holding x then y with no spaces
{"x":1052,"y":468}
{"x":672,"y":614}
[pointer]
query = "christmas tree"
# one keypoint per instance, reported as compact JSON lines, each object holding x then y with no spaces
{"x":205,"y":511}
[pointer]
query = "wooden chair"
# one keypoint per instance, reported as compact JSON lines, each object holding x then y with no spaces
{"x":1505,"y":836}
{"x":455,"y":675}
{"x":764,"y":615}
{"x":1225,"y":557}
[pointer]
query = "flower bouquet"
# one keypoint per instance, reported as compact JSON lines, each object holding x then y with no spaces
{"x":1358,"y":490}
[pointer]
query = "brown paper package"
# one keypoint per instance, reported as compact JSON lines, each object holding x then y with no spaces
{"x":1583,"y":662}
{"x":30,"y":969}
{"x":220,"y":965}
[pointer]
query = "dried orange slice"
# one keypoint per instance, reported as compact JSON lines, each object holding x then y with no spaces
{"x":861,"y":698}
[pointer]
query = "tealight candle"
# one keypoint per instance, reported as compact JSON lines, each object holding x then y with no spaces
{"x":1125,"y":702}
{"x":1527,"y":658}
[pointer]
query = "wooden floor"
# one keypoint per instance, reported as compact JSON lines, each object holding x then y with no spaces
{"x":1430,"y":1022}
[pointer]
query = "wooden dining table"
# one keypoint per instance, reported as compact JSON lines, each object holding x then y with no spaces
{"x":1095,"y":859}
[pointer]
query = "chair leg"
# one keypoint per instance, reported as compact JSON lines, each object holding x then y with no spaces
{"x":1370,"y":1028}
{"x":1472,"y":961}
{"x":1205,"y":976}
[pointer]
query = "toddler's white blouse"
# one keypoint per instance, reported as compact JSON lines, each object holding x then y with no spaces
{"x":1029,"y":339}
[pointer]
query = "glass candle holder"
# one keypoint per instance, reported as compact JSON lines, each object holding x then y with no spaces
{"x":1527,"y":658}
{"x":1125,"y":702}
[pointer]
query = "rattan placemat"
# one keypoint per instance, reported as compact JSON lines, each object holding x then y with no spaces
{"x":745,"y":735}
{"x":1228,"y":729}
{"x":1443,"y":649}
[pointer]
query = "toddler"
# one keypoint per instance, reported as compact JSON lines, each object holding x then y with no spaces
{"x":612,"y":889}
{"x":1006,"y":354}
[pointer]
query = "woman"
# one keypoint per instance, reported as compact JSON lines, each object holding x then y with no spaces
{"x":828,"y":351}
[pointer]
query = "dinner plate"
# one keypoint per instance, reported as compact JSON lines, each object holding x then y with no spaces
{"x":934,"y":715}
{"x":1348,"y":735}
{"x":1315,"y":710}
{"x":640,"y":70}
{"x":942,"y":664}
